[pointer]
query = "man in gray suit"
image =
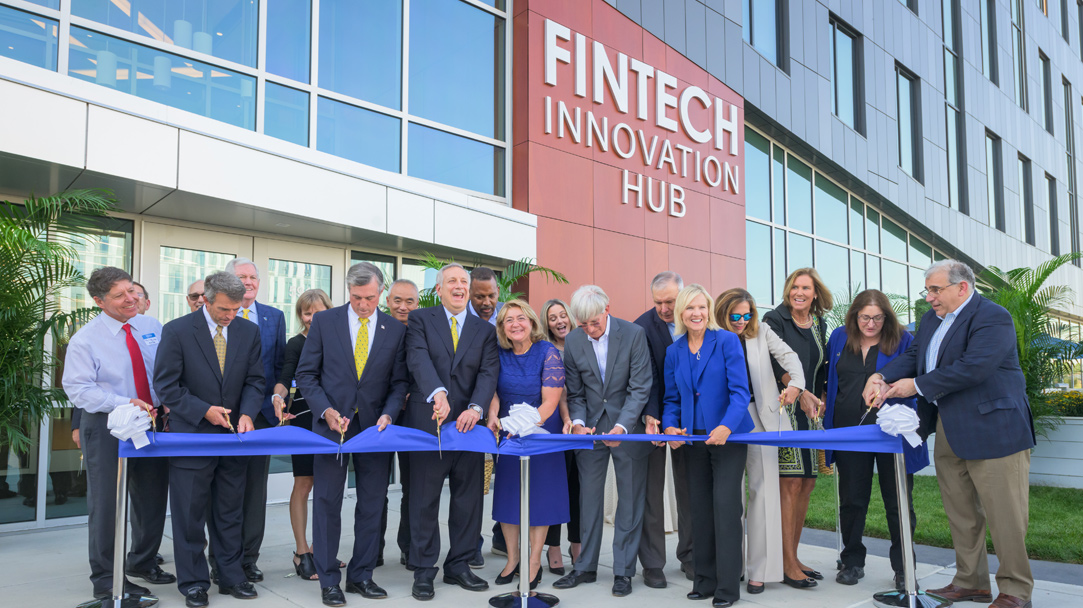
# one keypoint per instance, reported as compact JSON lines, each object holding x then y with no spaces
{"x":608,"y":377}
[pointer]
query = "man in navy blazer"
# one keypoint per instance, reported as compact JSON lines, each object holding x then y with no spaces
{"x":964,"y":367}
{"x":352,"y":372}
{"x":208,"y":374}
{"x":454,"y":363}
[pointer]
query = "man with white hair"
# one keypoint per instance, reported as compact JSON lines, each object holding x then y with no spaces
{"x":964,"y":367}
{"x":607,"y":366}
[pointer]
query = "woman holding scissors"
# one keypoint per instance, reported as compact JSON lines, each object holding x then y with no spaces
{"x":870,"y":337}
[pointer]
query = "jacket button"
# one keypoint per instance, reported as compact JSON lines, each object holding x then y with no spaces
{"x":605,"y":401}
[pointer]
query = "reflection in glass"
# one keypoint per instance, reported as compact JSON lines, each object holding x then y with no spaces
{"x":778,"y":277}
{"x":386,"y":264}
{"x":357,"y":134}
{"x":800,"y":253}
{"x":857,"y":271}
{"x":177,"y":269}
{"x":895,"y":282}
{"x":19,"y":481}
{"x":921,"y":255}
{"x":286,"y":280}
{"x":757,"y":175}
{"x":917,"y":283}
{"x":28,"y":38}
{"x":760,"y":26}
{"x":457,"y":161}
{"x":833,"y":264}
{"x":361,"y":49}
{"x":457,"y":65}
{"x":842,"y":65}
{"x":109,"y":246}
{"x":758,"y":261}
{"x":425,"y":278}
{"x":857,"y":223}
{"x":872,"y":273}
{"x":954,"y":161}
{"x":872,"y":230}
{"x":165,"y":78}
{"x":286,"y":113}
{"x":53,"y":4}
{"x":224,"y":28}
{"x":778,"y":183}
{"x":799,"y":191}
{"x":289,"y":31}
{"x":894,"y":240}
{"x":830,"y":210}
{"x":66,"y":483}
{"x":988,"y":39}
{"x":904,"y":97}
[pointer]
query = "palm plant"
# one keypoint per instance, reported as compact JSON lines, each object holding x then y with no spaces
{"x":506,"y":280}
{"x":37,"y":260}
{"x":1044,"y":360}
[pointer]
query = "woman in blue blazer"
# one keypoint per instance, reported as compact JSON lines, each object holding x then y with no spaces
{"x":706,"y":384}
{"x":870,"y":338}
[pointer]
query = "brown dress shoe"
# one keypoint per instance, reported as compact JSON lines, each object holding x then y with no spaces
{"x":958,"y":594}
{"x":1009,"y":601}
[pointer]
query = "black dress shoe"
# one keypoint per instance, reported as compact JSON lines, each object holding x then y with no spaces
{"x":467,"y":580}
{"x":242,"y":591}
{"x":755,"y":589}
{"x":332,"y":596}
{"x":504,"y":580}
{"x":155,"y":576}
{"x":721,"y":603}
{"x":422,"y":590}
{"x":850,"y":575}
{"x":158,"y":559}
{"x":804,"y":583}
{"x":253,"y":573}
{"x":196,"y":598}
{"x":574,"y":578}
{"x":622,"y":585}
{"x":814,"y":574}
{"x":368,"y":589}
{"x":214,"y":575}
{"x":478,"y":561}
{"x":654,"y":578}
{"x":537,"y":580}
{"x":696,"y":595}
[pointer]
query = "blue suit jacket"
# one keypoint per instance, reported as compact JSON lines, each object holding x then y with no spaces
{"x":723,"y":384}
{"x":327,"y":375}
{"x":916,"y":458}
{"x":978,"y":386}
{"x":272,"y":334}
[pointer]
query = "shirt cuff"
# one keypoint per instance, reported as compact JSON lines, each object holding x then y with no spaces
{"x":918,"y":388}
{"x":621,"y":427}
{"x":119,"y":400}
{"x":432,"y":395}
{"x":579,"y":422}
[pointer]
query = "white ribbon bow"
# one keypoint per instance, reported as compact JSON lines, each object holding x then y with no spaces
{"x":898,"y":420}
{"x":130,"y":422}
{"x":522,"y":420}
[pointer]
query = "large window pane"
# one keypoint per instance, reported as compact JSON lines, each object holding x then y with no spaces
{"x":456,"y":66}
{"x":223,"y":28}
{"x":800,"y":250}
{"x":53,"y":4}
{"x":361,"y":49}
{"x":19,"y":484}
{"x":843,"y":75}
{"x":162,"y":77}
{"x":760,"y":27}
{"x":830,"y":210}
{"x":894,"y":240}
{"x":872,"y":273}
{"x":857,"y":271}
{"x":954,"y":160}
{"x":424,"y":278}
{"x":872,"y":230}
{"x":28,"y":38}
{"x":457,"y":161}
{"x":833,"y":264}
{"x":778,"y":275}
{"x":921,"y":255}
{"x":289,"y":34}
{"x":286,"y":114}
{"x":904,"y":96}
{"x":757,"y":175}
{"x":286,"y":280}
{"x":177,"y":269}
{"x":857,"y":223}
{"x":385,"y":263}
{"x":758,"y":261}
{"x":799,"y":195}
{"x":357,"y":134}
{"x":778,"y":185}
{"x":895,"y":282}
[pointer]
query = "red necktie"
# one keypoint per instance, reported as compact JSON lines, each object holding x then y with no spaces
{"x":142,"y":387}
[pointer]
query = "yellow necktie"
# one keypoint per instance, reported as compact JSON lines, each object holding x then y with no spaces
{"x":220,"y":348}
{"x":361,"y":349}
{"x":454,"y":334}
{"x":244,"y":313}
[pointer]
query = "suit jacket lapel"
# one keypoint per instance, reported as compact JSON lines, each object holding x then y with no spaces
{"x":232,"y":348}
{"x":965,"y":314}
{"x":929,"y":324}
{"x":443,"y":327}
{"x":588,"y":354}
{"x":615,"y":333}
{"x":467,"y":333}
{"x":206,"y":344}
{"x":340,"y":326}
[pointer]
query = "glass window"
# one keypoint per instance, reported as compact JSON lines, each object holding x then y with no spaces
{"x":872,"y":273}
{"x":457,"y":161}
{"x":1069,"y":141}
{"x":286,"y":280}
{"x":1019,"y":64}
{"x":988,"y":39}
{"x":921,"y":255}
{"x":833,"y":264}
{"x":799,"y":200}
{"x":894,"y":281}
{"x":177,"y":269}
{"x":757,"y":175}
{"x":830,"y":210}
{"x":908,"y":119}
{"x":894,"y":241}
{"x":844,"y":100}
{"x":994,"y":181}
{"x":162,"y":77}
{"x":778,"y":277}
{"x":778,"y":185}
{"x":857,"y":223}
{"x":758,"y":261}
{"x":361,"y":49}
{"x":857,"y":272}
{"x":53,"y":4}
{"x":1046,"y":106}
{"x":110,"y":246}
{"x":28,"y":38}
{"x":955,"y":160}
{"x":1026,"y":201}
{"x":1054,"y":214}
{"x":358,"y":134}
{"x":386,"y":264}
{"x":19,"y":481}
{"x":917,"y":283}
{"x":872,"y":230}
{"x":761,"y":27}
{"x":224,"y":28}
{"x":425,"y":278}
{"x":289,"y":35}
{"x":800,"y":249}
{"x":286,"y":113}
{"x":457,"y":65}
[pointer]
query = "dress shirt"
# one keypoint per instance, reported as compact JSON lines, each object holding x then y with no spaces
{"x":355,"y":326}
{"x":601,"y":352}
{"x":213,"y":325}
{"x":97,"y":367}
{"x":672,"y":330}
{"x":460,"y":318}
{"x":253,"y":316}
{"x":933,"y":352}
{"x":492,"y":319}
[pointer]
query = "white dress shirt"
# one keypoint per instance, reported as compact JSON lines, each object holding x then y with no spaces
{"x":460,"y":318}
{"x":213,"y":326}
{"x":601,"y":353}
{"x":97,"y":367}
{"x":355,"y":326}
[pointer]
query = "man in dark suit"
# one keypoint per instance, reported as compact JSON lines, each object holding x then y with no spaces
{"x":659,"y":326}
{"x":964,"y":367}
{"x":454,"y":364}
{"x":607,"y":366}
{"x":272,"y":333}
{"x":208,"y":373}
{"x":353,"y":374}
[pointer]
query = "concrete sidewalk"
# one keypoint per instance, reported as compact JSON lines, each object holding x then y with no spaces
{"x":49,"y":569}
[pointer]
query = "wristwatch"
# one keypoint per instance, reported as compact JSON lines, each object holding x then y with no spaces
{"x":477,"y":410}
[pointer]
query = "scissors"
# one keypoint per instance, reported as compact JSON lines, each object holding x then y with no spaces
{"x":869,"y":409}
{"x":439,"y":441}
{"x":293,"y":390}
{"x":233,"y":430}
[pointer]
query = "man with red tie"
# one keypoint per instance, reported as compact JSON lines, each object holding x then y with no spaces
{"x":107,"y":365}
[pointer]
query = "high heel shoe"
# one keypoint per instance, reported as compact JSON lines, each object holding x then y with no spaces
{"x":558,"y":570}
{"x":537,"y":580}
{"x":305,"y":566}
{"x":504,"y":580}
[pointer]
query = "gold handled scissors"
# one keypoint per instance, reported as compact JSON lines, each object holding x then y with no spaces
{"x":439,"y":441}
{"x":869,"y":409}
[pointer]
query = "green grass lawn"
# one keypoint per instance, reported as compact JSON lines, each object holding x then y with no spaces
{"x":1056,"y":518}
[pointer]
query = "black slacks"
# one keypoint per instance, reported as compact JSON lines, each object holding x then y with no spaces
{"x":427,"y":473}
{"x":254,"y":519}
{"x":552,"y":538}
{"x":855,"y":489}
{"x":402,"y":538}
{"x":715,"y":474}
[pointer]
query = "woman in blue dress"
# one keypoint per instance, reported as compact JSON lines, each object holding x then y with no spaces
{"x":531,"y":372}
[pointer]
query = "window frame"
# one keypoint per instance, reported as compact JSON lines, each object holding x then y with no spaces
{"x":915,"y":120}
{"x":840,"y":27}
{"x":994,"y":169}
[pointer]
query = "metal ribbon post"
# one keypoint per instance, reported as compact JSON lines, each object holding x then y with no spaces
{"x":523,"y":597}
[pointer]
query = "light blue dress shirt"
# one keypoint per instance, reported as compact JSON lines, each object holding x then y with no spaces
{"x":97,"y":368}
{"x":933,"y":352}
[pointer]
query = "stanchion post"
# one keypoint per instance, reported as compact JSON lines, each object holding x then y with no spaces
{"x":524,"y":530}
{"x":120,"y":532}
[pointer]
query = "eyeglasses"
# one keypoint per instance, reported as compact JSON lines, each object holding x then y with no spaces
{"x":866,"y":319}
{"x":935,"y":290}
{"x":736,"y":317}
{"x":195,"y":296}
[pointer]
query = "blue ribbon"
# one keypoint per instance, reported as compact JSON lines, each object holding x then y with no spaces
{"x":293,"y":440}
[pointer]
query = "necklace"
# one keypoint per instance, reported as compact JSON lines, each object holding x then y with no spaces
{"x":697,"y":355}
{"x":805,"y":324}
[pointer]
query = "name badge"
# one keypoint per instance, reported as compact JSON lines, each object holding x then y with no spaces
{"x":150,"y":339}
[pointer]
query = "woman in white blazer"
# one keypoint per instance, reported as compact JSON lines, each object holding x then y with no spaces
{"x":736,"y":312}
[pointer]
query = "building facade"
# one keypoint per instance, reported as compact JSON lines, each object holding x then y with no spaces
{"x":729,"y":140}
